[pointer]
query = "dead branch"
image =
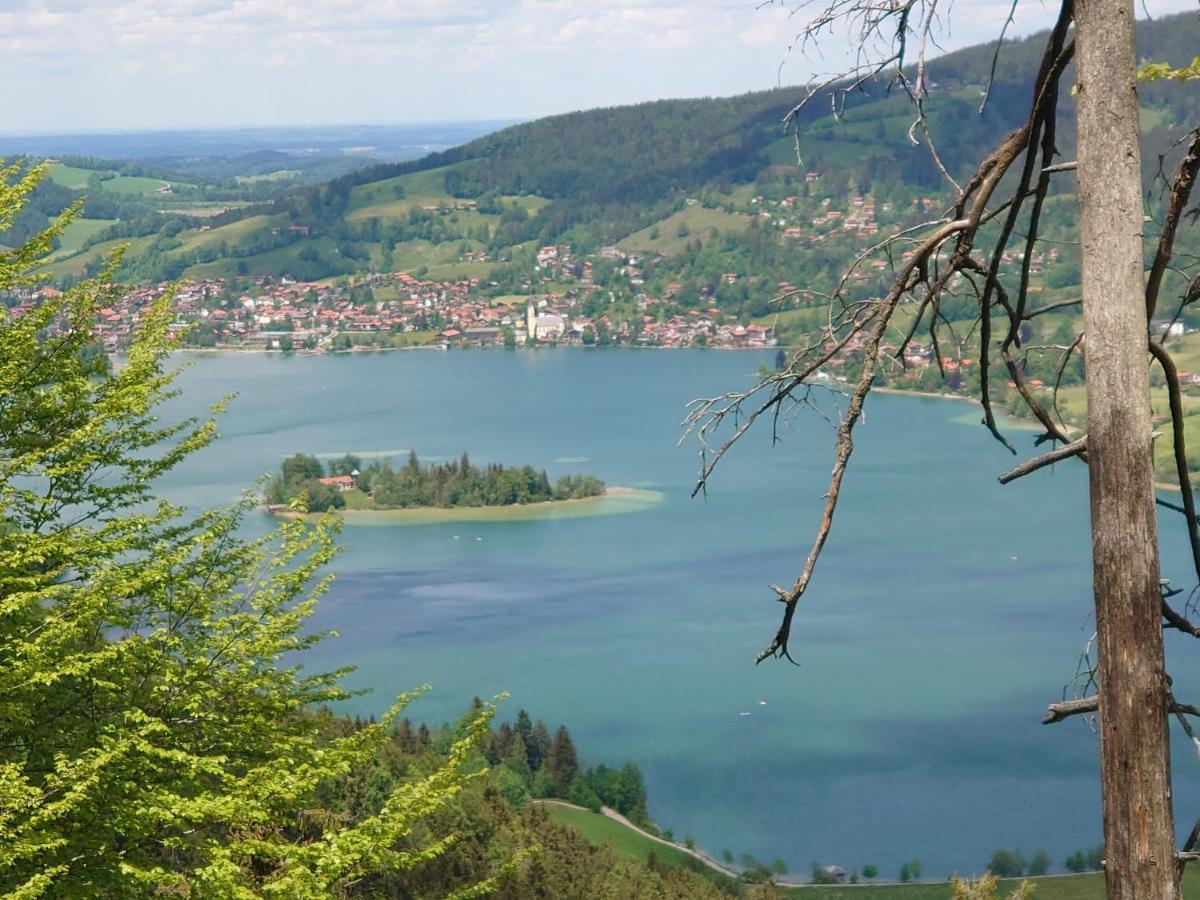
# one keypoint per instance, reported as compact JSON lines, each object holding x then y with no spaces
{"x":1056,"y":712}
{"x":1178,"y":622}
{"x":1180,"y":192}
{"x":1050,"y":307}
{"x":1178,"y":445}
{"x":939,"y":257}
{"x":1075,"y":448}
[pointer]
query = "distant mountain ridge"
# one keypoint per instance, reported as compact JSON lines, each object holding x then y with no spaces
{"x":388,"y":142}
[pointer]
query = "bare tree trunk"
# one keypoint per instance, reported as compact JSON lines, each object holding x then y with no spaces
{"x":1135,"y":764}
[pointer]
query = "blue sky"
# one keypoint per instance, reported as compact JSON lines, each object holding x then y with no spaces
{"x":133,"y":64}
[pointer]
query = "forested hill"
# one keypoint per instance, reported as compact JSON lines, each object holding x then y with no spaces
{"x":622,"y":176}
{"x":640,"y":154}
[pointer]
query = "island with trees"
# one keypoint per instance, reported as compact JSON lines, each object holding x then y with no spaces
{"x":346,"y":483}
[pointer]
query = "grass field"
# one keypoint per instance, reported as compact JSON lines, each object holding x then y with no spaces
{"x":419,"y":189}
{"x":132,"y":184}
{"x":79,"y":231}
{"x":601,"y":831}
{"x":77,"y":179}
{"x":72,"y":177}
{"x":75,"y":265}
{"x":1077,"y":887}
{"x":282,"y":259}
{"x":456,"y":270}
{"x":232,"y":234}
{"x":1065,"y":887}
{"x":697,"y":221}
{"x":531,"y":203}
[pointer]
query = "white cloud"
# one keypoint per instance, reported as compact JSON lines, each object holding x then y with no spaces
{"x":158,"y":62}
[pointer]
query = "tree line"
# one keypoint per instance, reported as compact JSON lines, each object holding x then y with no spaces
{"x":440,"y":485}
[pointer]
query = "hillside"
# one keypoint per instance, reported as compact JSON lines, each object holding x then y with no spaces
{"x":672,"y":223}
{"x":603,"y":177}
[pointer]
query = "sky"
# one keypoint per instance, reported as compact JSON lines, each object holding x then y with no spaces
{"x":112,"y":65}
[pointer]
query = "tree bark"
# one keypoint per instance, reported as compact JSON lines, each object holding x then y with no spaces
{"x":1135,"y":765}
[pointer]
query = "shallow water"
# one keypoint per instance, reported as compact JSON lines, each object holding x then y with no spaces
{"x":947,"y":610}
{"x":617,"y":502}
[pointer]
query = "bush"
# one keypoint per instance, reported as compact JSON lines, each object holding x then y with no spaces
{"x":1006,"y":864}
{"x":1085,"y":860}
{"x":581,"y":795}
{"x":986,"y":888}
{"x":1040,"y":864}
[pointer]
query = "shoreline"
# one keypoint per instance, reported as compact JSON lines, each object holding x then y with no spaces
{"x":614,"y":500}
{"x":1016,"y":424}
{"x":441,"y":349}
{"x":1019,"y":424}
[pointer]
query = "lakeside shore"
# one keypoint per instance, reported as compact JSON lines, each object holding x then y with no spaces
{"x":614,"y":500}
{"x":429,"y":514}
{"x":1018,"y":424}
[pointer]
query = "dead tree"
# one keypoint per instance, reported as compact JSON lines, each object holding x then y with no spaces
{"x":1135,"y":765}
{"x":966,"y":245}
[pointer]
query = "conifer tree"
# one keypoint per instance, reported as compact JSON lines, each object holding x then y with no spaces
{"x":538,"y":745}
{"x":523,"y":725}
{"x":561,"y":762}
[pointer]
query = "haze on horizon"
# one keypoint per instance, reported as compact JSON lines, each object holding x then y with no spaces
{"x":197,"y":64}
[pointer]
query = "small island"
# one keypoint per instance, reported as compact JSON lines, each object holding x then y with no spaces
{"x":347,"y":484}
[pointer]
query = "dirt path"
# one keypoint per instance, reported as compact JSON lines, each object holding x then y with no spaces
{"x":695,"y":854}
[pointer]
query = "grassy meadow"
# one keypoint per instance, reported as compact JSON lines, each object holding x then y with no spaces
{"x":599,"y":831}
{"x":691,"y":223}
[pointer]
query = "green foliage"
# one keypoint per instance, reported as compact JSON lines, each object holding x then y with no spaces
{"x":624,"y":852}
{"x":299,"y":483}
{"x":1039,"y":863}
{"x":987,"y":887}
{"x":1160,"y":71}
{"x":345,"y":465}
{"x":550,"y":860}
{"x":302,"y":467}
{"x":462,"y":484}
{"x":1085,"y":860}
{"x":152,"y":737}
{"x":621,"y":789}
{"x":1007,"y":864}
{"x":581,"y":794}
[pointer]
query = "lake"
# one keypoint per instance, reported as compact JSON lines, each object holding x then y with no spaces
{"x":946,"y":612}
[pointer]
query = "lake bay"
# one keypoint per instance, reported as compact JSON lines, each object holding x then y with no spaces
{"x":946,"y":611}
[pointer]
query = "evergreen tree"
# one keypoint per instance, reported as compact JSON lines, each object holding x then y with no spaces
{"x":523,"y":726}
{"x":561,"y":762}
{"x":538,"y":745}
{"x":518,"y":759}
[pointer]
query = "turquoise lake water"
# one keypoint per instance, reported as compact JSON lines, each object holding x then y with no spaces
{"x":946,"y":612}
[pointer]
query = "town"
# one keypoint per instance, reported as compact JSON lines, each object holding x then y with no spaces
{"x":397,"y":310}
